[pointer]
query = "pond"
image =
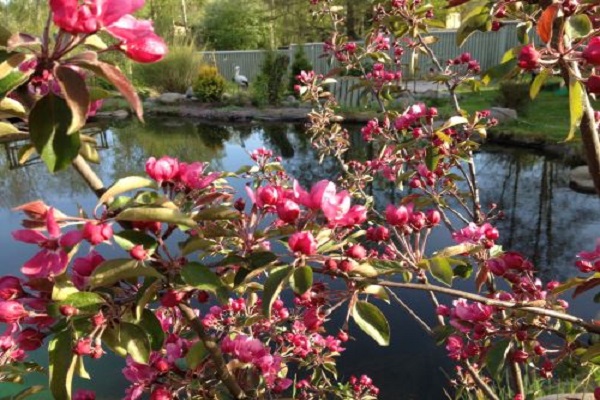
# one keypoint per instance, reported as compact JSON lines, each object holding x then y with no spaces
{"x":545,"y":220}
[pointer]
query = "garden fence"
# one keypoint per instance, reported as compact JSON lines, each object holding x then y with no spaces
{"x":488,"y":48}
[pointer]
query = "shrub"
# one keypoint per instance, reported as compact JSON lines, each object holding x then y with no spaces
{"x":175,"y":73}
{"x":210,"y":85}
{"x":269,"y":87}
{"x":300,"y":63}
{"x":514,"y":94}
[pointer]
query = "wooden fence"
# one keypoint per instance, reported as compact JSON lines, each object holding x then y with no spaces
{"x":488,"y":48}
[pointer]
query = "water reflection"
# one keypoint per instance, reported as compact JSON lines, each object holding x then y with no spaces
{"x":546,"y":220}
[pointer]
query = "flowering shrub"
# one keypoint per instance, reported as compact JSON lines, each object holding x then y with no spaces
{"x":216,"y":296}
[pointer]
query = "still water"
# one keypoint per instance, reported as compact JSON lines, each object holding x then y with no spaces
{"x":545,"y":220}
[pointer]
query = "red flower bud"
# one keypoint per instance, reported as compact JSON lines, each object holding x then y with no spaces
{"x":529,"y":58}
{"x":591,"y":53}
{"x":161,"y":365}
{"x":138,"y":252}
{"x":68,"y":310}
{"x":593,"y":84}
{"x":12,"y":311}
{"x":98,"y":319}
{"x":30,"y":339}
{"x":288,"y":211}
{"x":161,"y":393}
{"x":83,"y":347}
{"x":330,"y":265}
{"x":97,"y":233}
{"x":10,"y":288}
{"x":203,"y":296}
{"x":172,"y":298}
{"x":357,"y":252}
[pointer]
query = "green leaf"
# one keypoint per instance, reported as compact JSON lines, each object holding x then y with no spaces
{"x":125,"y":185}
{"x":63,"y":288}
{"x":496,"y":357}
{"x":217,"y":213}
{"x":197,"y":243}
{"x":128,"y":239}
{"x":112,"y":271}
{"x":576,"y":99}
{"x":372,"y":321}
{"x":87,"y":302}
{"x":49,"y":123}
{"x":500,"y":72}
{"x":453,"y":121}
{"x":432,"y":158}
{"x":479,"y":19}
{"x":160,"y":214}
{"x":80,"y":368}
{"x":145,"y":295}
{"x":89,"y":152}
{"x":12,"y":81}
{"x":196,"y":355}
{"x":377,"y":291}
{"x":259,"y":259}
{"x":274,"y":284}
{"x":11,"y":63}
{"x":151,"y":325}
{"x":76,"y":94}
{"x":441,"y":270}
{"x":302,"y":279}
{"x":62,"y":362}
{"x":538,"y":82}
{"x":11,"y":108}
{"x":127,"y":338}
{"x":201,"y":277}
{"x":592,"y":354}
{"x":523,"y":29}
{"x":458,"y":249}
{"x":578,"y":26}
{"x":7,"y":129}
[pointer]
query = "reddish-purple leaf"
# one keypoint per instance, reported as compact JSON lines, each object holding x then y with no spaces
{"x":118,"y":79}
{"x":76,"y":94}
{"x":544,"y":27}
{"x":587,"y":285}
{"x":22,"y":40}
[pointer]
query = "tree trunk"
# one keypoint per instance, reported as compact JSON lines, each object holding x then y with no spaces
{"x":351,"y":20}
{"x":184,"y":16}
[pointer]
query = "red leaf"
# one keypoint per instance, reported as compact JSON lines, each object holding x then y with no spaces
{"x":584,"y":287}
{"x":118,"y":79}
{"x":76,"y":94}
{"x":544,"y":27}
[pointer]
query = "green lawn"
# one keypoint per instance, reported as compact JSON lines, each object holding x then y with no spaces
{"x":546,"y":117}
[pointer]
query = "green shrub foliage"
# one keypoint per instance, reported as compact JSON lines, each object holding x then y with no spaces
{"x":210,"y":85}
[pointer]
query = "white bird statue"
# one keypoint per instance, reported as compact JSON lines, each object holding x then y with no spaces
{"x":241,"y":80}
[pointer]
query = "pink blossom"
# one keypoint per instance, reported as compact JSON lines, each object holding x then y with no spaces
{"x":475,"y":234}
{"x":454,"y":345}
{"x":83,"y":268}
{"x":336,"y":206}
{"x":398,"y":216}
{"x":97,"y":233}
{"x":92,"y":15}
{"x":192,"y":175}
{"x":145,"y":49}
{"x":474,"y":312}
{"x":163,"y":169}
{"x":303,"y":242}
{"x":288,"y":211}
{"x":84,"y":395}
{"x":161,"y":393}
{"x":52,"y":259}
{"x":319,"y":193}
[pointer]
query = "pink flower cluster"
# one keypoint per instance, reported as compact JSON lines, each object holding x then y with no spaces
{"x":413,"y":115}
{"x":589,"y":261}
{"x":471,"y":317}
{"x":379,"y":76}
{"x":137,"y":38}
{"x":253,"y":351}
{"x":485,"y":234}
{"x":169,"y":170}
{"x":405,"y":218}
{"x":466,"y":59}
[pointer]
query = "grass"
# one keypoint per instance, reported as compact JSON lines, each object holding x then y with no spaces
{"x":546,"y":117}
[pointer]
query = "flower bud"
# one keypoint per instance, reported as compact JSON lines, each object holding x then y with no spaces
{"x":84,"y":395}
{"x":163,"y":169}
{"x":30,"y":339}
{"x":529,"y":58}
{"x":330,"y":265}
{"x":83,"y":347}
{"x":591,"y":54}
{"x":10,"y":288}
{"x":96,"y":233}
{"x":98,"y":319}
{"x":396,"y":216}
{"x":240,"y":204}
{"x":12,"y":311}
{"x":203,"y":296}
{"x":357,"y":252}
{"x":138,"y":252}
{"x":161,"y":365}
{"x":68,"y":310}
{"x":433,"y":217}
{"x":593,"y":84}
{"x":172,"y":298}
{"x":288,"y":211}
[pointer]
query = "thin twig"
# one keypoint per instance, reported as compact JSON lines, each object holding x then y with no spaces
{"x":411,"y":312}
{"x":482,"y":385}
{"x":524,"y":306}
{"x":215,"y":353}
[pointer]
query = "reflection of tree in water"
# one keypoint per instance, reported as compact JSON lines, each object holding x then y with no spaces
{"x":276,"y":135}
{"x":545,"y":219}
{"x":214,"y":136}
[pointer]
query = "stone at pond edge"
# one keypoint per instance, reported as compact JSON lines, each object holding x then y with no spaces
{"x":580,"y":180}
{"x":570,"y":396}
{"x":170,"y":98}
{"x":503,"y":114}
{"x":117,"y":114}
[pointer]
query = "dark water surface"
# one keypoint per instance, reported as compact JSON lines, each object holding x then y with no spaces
{"x":545,"y":220}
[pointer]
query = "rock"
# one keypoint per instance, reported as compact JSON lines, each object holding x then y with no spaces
{"x":503,"y":114}
{"x":170,"y":98}
{"x":189,"y":93}
{"x":433,"y":94}
{"x":580,"y":180}
{"x":570,"y":396}
{"x":120,"y":114}
{"x":403,"y":100}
